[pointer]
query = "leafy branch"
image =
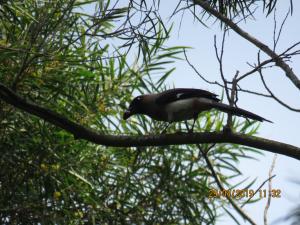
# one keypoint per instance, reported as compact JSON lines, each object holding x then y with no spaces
{"x":81,"y":132}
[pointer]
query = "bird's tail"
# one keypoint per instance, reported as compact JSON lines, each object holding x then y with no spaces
{"x":239,"y":112}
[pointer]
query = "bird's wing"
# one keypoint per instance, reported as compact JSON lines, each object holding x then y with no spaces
{"x":184,"y":93}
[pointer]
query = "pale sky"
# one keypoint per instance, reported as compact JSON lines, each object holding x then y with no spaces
{"x":237,"y":52}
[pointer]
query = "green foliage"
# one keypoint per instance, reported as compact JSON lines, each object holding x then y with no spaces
{"x":232,"y":9}
{"x":77,"y":64}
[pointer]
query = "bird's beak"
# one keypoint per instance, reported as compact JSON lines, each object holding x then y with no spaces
{"x":127,"y":114}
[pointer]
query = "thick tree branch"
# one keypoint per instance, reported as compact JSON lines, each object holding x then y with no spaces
{"x":81,"y":132}
{"x":278,"y":60}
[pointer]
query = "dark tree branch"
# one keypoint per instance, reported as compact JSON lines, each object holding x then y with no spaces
{"x":278,"y":60}
{"x":81,"y":132}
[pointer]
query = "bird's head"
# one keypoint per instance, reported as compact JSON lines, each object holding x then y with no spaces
{"x":136,"y":107}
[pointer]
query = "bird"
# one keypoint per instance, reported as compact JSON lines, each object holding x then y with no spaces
{"x":182,"y":104}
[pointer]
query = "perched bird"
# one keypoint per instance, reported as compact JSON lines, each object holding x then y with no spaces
{"x":182,"y":104}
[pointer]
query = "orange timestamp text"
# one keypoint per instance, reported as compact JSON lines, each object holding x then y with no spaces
{"x":242,"y":193}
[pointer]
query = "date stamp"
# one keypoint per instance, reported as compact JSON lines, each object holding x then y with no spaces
{"x":244,"y":193}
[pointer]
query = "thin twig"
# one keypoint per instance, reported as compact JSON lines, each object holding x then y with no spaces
{"x":253,"y":92}
{"x":220,"y":60}
{"x":233,"y":99}
{"x":221,"y":85}
{"x":280,"y":29}
{"x":238,"y":209}
{"x":274,"y":29}
{"x":255,"y":69}
{"x":263,"y":183}
{"x":196,"y":71}
{"x":270,"y":192}
{"x":270,"y":92}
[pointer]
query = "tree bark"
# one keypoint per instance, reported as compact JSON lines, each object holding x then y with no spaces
{"x":81,"y":132}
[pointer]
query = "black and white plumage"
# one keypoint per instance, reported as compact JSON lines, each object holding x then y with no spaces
{"x":181,"y":104}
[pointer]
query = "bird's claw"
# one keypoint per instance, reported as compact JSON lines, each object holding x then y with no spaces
{"x":227,"y":129}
